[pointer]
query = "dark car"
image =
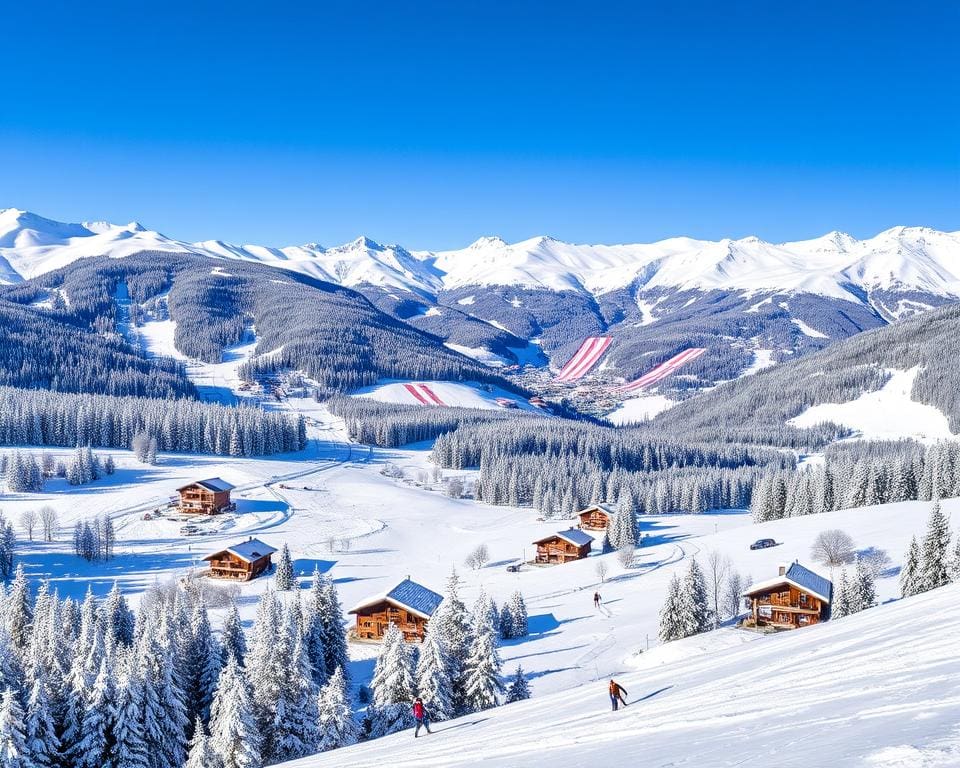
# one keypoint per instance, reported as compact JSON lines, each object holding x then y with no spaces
{"x":513,"y":568}
{"x":763,"y":544}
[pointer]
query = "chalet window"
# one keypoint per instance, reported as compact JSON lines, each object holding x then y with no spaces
{"x":803,"y":599}
{"x":804,"y":619}
{"x":785,"y":596}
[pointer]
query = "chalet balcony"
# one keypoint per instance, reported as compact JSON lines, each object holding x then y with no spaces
{"x":788,"y":605}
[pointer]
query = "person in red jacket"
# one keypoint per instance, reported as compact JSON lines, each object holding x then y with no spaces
{"x":616,"y":695}
{"x":420,"y":715}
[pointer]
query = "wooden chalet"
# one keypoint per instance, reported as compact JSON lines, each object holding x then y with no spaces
{"x":206,"y":497}
{"x":241,"y":562}
{"x":408,"y":605}
{"x":596,"y":517}
{"x":797,"y":597}
{"x":563,"y":546}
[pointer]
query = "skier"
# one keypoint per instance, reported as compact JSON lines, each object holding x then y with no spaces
{"x":616,"y":695}
{"x":596,"y":600}
{"x":420,"y":715}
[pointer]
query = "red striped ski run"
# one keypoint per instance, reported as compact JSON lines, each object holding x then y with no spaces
{"x":663,"y":370}
{"x":424,"y":394}
{"x":585,"y":358}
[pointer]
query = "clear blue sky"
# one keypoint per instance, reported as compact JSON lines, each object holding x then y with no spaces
{"x":432,"y":123}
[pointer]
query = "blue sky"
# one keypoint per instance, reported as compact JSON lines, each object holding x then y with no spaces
{"x":432,"y":123}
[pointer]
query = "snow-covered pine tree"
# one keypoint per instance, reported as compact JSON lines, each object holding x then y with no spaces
{"x":232,"y":640}
{"x":203,"y":663}
{"x":505,"y":622}
{"x":694,"y":601}
{"x":117,"y":616}
{"x":482,"y":683}
{"x":127,"y":743}
{"x":18,"y":613}
{"x":337,"y":727}
{"x":671,"y":622}
{"x":934,"y":554}
{"x":392,"y":685}
{"x":518,"y":612}
{"x":519,"y":689}
{"x":864,"y":590}
{"x":264,"y":666}
{"x":283,"y":577}
{"x":40,"y":732}
{"x":335,"y":650}
{"x":92,"y":749}
{"x":627,"y":510}
{"x":14,"y":752}
{"x":910,"y":574}
{"x":450,"y":622}
{"x":233,"y":728}
{"x":294,"y":729}
{"x":313,"y":628}
{"x":433,"y":677}
{"x":954,"y":569}
{"x":842,"y":597}
{"x":202,"y":754}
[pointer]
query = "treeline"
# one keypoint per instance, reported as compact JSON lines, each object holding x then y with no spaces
{"x":559,"y":468}
{"x":391,"y":425}
{"x":859,"y":475}
{"x":36,"y":417}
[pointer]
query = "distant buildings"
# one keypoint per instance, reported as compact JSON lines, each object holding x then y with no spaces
{"x":206,"y":497}
{"x":596,"y":517}
{"x":241,"y":562}
{"x":408,"y":605}
{"x":563,"y":546}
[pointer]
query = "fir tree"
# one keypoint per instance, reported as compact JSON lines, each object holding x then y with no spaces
{"x":335,"y":651}
{"x":92,"y":749}
{"x":910,"y":575}
{"x":694,"y":601}
{"x":864,"y":590}
{"x":337,"y":727}
{"x":392,"y":685}
{"x":40,"y":732}
{"x":233,"y":729}
{"x":283,"y":578}
{"x":233,"y":643}
{"x":671,"y":622}
{"x":433,"y":677}
{"x":201,"y":753}
{"x":519,"y":689}
{"x":14,"y":752}
{"x":843,"y":597}
{"x":936,"y":544}
{"x":128,"y":746}
{"x":482,"y":683}
{"x":449,"y":621}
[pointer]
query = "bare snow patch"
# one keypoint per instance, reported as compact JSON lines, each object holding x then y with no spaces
{"x":466,"y":301}
{"x":762,"y":358}
{"x":639,"y":409}
{"x":887,"y":414}
{"x":480,"y":354}
{"x":813,"y":333}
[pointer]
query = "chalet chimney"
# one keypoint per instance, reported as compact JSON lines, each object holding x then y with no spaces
{"x":782,"y":570}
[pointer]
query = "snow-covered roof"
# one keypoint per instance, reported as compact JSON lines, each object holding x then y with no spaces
{"x":801,"y":578}
{"x":575,"y":536}
{"x":250,"y":550}
{"x":416,"y":598}
{"x":214,"y":484}
{"x":606,"y":510}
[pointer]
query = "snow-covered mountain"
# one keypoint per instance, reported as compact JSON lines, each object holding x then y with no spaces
{"x":835,"y":265}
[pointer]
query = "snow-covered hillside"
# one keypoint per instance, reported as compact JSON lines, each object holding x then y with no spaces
{"x":880,"y":688}
{"x":444,"y":393}
{"x":834,"y":265}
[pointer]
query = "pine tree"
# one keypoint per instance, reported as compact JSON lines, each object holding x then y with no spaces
{"x":694,"y":601}
{"x":910,"y":575}
{"x":842,"y":598}
{"x":201,"y":753}
{"x":433,"y":677}
{"x":233,"y":729}
{"x":671,"y":623}
{"x":936,"y":544}
{"x":283,"y":578}
{"x":294,"y":729}
{"x":518,"y":611}
{"x":128,"y":746}
{"x":40,"y":732}
{"x":954,"y":570}
{"x":392,"y":685}
{"x":91,"y":750}
{"x":335,"y":651}
{"x":519,"y":689}
{"x":13,"y":745}
{"x":864,"y":590}
{"x":483,"y":685}
{"x":203,"y":663}
{"x":233,"y":643}
{"x":449,"y":621}
{"x":337,"y":727}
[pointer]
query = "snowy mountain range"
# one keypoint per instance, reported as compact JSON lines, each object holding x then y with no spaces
{"x":835,"y":265}
{"x":743,"y":299}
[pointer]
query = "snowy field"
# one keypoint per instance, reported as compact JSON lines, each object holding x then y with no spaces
{"x":880,"y":689}
{"x":457,"y":394}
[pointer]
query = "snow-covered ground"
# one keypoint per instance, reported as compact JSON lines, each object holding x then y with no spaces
{"x":639,"y":409}
{"x":460,"y":394}
{"x":887,"y":414}
{"x":880,"y":689}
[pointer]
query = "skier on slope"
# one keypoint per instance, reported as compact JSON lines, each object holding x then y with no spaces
{"x":617,"y":694}
{"x":420,"y":715}
{"x":596,"y":600}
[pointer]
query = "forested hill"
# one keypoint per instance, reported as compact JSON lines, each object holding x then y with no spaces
{"x":333,"y":334}
{"x":756,"y":409}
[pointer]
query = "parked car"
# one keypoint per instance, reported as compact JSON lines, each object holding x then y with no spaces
{"x":763,"y":544}
{"x":189,"y":530}
{"x":513,"y":568}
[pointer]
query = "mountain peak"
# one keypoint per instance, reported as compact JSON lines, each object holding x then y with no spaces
{"x":488,"y":241}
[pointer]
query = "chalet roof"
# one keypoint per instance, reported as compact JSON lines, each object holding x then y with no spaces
{"x":606,"y":510}
{"x":575,"y":536}
{"x":250,"y":550}
{"x":801,"y":578}
{"x":214,"y":484}
{"x":416,"y":598}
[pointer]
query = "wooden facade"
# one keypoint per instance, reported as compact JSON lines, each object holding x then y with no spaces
{"x":795,"y":598}
{"x":241,"y":562}
{"x":595,"y":518}
{"x":563,"y":547}
{"x":408,"y":605}
{"x":205,"y":497}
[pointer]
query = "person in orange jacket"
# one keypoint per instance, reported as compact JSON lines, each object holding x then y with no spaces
{"x":617,"y":694}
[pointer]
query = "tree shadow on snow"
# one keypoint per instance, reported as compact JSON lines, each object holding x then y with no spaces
{"x":542,"y":623}
{"x":303,"y":567}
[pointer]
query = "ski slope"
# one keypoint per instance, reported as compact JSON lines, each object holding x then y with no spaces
{"x":880,"y":689}
{"x":584,"y":359}
{"x":660,"y":372}
{"x":442,"y":393}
